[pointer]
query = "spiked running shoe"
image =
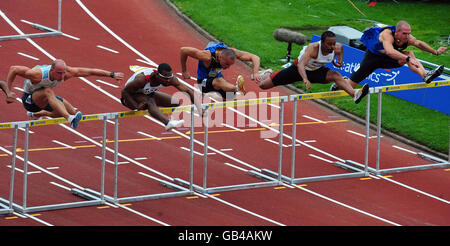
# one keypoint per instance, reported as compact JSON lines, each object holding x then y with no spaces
{"x":174,"y":124}
{"x":361,"y":93}
{"x":240,"y":84}
{"x":75,"y":120}
{"x":433,"y":74}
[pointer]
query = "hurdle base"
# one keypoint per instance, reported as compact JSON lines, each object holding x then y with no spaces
{"x":211,"y":190}
{"x":4,"y":207}
{"x":91,"y":194}
{"x":441,"y":164}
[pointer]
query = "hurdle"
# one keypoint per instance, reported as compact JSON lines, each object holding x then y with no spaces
{"x":437,"y":162}
{"x":48,"y":32}
{"x":24,"y":208}
{"x":355,"y":173}
{"x":6,"y":206}
{"x":268,"y":181}
{"x":116,"y":199}
{"x":182,"y":187}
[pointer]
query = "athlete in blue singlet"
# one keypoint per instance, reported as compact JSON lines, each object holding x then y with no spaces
{"x":212,"y":60}
{"x":385,"y":49}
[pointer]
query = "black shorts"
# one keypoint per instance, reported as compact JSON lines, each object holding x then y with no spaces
{"x":370,"y":63}
{"x":28,"y":104}
{"x":207,"y":86}
{"x":290,"y":75}
{"x":122,"y":100}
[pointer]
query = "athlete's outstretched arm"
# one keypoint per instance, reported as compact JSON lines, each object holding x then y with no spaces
{"x":247,"y":56}
{"x":176,"y":83}
{"x":85,"y":72}
{"x":185,"y":52}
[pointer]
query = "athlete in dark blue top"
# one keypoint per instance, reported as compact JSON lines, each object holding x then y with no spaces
{"x":211,"y":61}
{"x":385,"y":49}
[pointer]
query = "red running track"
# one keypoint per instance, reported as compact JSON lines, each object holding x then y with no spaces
{"x":154,"y":33}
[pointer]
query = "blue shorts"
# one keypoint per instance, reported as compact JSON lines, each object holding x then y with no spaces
{"x":28,"y":104}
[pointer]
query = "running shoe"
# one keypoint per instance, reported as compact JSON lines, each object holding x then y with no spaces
{"x":264,"y":73}
{"x":334,"y":87}
{"x":31,"y":114}
{"x":433,"y":74}
{"x":240,"y":84}
{"x":76,"y":119}
{"x":174,"y":124}
{"x":361,"y":93}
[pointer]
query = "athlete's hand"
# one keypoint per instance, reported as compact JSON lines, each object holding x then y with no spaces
{"x":307,"y":84}
{"x":118,"y":76}
{"x":11,"y":97}
{"x":441,"y":50}
{"x":337,"y":63}
{"x":142,"y":106}
{"x":185,"y":75}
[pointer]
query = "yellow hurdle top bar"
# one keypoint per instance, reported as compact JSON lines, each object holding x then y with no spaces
{"x":249,"y":102}
{"x":126,"y":114}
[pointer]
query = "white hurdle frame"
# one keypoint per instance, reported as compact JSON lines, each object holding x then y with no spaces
{"x":269,"y":181}
{"x":271,"y":178}
{"x":48,"y":32}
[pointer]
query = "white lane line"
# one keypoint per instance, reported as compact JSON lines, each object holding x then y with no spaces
{"x":197,"y":153}
{"x":234,"y":166}
{"x":347,"y":206}
{"x":275,"y":142}
{"x":70,"y":36}
{"x":148,"y":63}
{"x":148,"y":135}
{"x":111,"y":162}
{"x":106,"y":83}
{"x":107,"y":49}
{"x":63,"y":144}
{"x":113,"y":34}
{"x":360,"y":134}
{"x":320,"y":158}
{"x":245,"y":210}
{"x":314,"y":119}
{"x":232,"y":127}
{"x":28,"y":56}
{"x":416,"y":190}
{"x":406,"y":150}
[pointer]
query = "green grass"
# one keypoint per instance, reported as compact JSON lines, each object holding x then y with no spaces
{"x":249,"y":25}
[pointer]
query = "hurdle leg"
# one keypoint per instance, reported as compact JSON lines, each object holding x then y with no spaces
{"x":102,"y":188}
{"x":191,"y":157}
{"x":280,"y":141}
{"x":380,"y":94}
{"x":205,"y":148}
{"x":25,"y":165}
{"x":13,"y":167}
{"x":366,"y":159}
{"x":116,"y":151}
{"x":294,"y":137}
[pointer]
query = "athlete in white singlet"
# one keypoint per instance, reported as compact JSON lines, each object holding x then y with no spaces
{"x":141,"y":92}
{"x":38,"y":97}
{"x":309,"y":68}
